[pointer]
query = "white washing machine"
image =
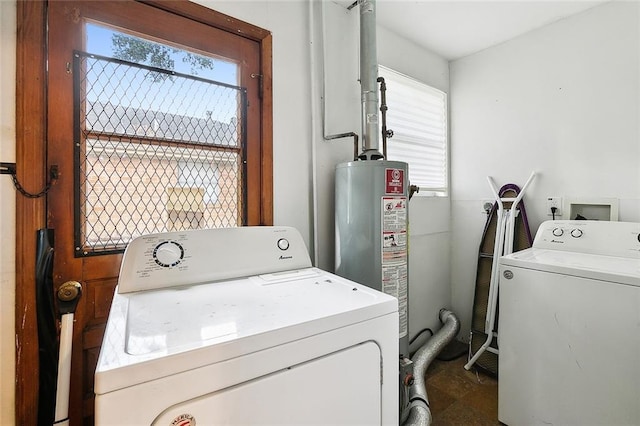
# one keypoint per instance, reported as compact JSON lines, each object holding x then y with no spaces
{"x":234,"y":327}
{"x":569,"y":332}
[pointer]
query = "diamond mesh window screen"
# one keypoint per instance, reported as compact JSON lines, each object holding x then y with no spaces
{"x":155,"y":151}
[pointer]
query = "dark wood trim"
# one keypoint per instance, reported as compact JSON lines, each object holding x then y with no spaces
{"x":267,"y":131}
{"x":30,"y":213}
{"x":207,"y":16}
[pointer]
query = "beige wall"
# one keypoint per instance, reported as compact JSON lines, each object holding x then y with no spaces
{"x":7,"y":210}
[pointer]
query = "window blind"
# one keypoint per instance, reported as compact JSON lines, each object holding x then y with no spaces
{"x":417,"y":114}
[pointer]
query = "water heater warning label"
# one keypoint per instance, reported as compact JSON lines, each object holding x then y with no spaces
{"x":394,"y":181}
{"x":394,"y":253}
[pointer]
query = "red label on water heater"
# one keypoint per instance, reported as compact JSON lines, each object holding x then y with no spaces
{"x":394,"y":183}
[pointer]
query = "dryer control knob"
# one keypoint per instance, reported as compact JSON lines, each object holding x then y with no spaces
{"x":576,"y":233}
{"x":168,"y":254}
{"x":283,"y":244}
{"x":557,"y":232}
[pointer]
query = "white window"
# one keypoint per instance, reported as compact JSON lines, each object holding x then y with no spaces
{"x":417,"y":114}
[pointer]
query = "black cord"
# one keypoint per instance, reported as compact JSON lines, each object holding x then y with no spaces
{"x":553,"y":213}
{"x":413,"y":339}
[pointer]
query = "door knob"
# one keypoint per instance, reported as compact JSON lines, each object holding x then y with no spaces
{"x":69,"y":291}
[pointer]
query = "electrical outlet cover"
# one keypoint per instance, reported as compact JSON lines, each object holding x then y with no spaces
{"x":554,"y":202}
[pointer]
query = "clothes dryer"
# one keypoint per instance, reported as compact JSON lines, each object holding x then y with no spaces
{"x":234,"y":327}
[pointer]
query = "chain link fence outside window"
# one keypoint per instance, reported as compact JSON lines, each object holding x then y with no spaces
{"x":155,"y":151}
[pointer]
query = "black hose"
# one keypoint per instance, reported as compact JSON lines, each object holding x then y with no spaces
{"x":413,"y":339}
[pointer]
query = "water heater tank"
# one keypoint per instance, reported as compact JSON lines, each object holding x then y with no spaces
{"x":372,"y":210}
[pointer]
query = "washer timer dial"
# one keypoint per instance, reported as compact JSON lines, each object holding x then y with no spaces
{"x":168,"y":254}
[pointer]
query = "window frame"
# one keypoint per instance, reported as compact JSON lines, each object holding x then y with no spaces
{"x":202,"y":14}
{"x":396,"y":77}
{"x":90,"y":225}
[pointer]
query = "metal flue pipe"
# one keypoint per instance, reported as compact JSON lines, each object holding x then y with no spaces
{"x":368,"y":81}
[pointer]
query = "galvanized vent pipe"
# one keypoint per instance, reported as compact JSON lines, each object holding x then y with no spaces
{"x":369,"y":81}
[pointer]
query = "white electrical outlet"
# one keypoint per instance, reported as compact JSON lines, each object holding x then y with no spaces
{"x":554,"y":202}
{"x":486,"y":205}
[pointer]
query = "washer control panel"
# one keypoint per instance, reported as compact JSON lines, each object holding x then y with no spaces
{"x":588,"y":236}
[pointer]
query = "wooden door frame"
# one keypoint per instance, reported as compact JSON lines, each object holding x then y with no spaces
{"x":31,"y":164}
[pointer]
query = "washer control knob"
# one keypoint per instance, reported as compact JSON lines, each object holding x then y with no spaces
{"x":557,"y":232}
{"x":576,"y":233}
{"x":283,"y":244}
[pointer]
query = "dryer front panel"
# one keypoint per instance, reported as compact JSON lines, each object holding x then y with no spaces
{"x":342,"y":388}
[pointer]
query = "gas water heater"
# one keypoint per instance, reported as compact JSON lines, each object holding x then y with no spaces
{"x":372,"y":209}
{"x":372,"y":196}
{"x":371,"y":228}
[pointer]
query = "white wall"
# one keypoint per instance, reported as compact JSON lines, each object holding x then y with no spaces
{"x":564,"y":101}
{"x":336,"y":97}
{"x":7,"y":211}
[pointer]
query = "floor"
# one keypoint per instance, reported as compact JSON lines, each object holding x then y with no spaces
{"x":461,"y":397}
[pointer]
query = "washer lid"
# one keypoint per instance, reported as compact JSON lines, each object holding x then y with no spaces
{"x":621,"y":270}
{"x":153,"y":334}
